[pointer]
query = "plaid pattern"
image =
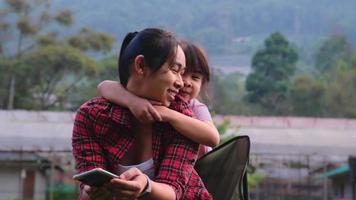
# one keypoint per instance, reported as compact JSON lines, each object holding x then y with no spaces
{"x":101,"y":138}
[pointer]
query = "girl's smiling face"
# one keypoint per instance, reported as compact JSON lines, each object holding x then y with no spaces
{"x":192,"y":84}
{"x":197,"y":72}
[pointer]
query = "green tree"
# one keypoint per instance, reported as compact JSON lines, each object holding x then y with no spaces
{"x":331,"y":93}
{"x":25,"y":28}
{"x":3,"y":73}
{"x":228,"y":92}
{"x":35,"y":32}
{"x":52,"y":72}
{"x":106,"y":70}
{"x":224,"y":90}
{"x":307,"y":96}
{"x":273,"y":66}
{"x":331,"y":51}
{"x":341,"y":94}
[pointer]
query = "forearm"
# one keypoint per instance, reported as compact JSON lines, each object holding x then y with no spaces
{"x":115,"y":92}
{"x":199,"y":131}
{"x":161,"y":191}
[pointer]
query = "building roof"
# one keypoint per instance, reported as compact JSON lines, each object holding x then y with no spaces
{"x":20,"y":156}
{"x":41,"y":130}
{"x":297,"y":135}
{"x":338,"y":171}
{"x":31,"y":130}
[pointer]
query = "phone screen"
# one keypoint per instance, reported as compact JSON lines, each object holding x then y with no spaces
{"x":95,"y":177}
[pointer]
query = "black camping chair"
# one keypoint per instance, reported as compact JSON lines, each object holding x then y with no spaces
{"x":223,"y":170}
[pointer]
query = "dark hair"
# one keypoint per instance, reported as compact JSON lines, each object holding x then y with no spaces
{"x":196,"y":60}
{"x":156,"y":45}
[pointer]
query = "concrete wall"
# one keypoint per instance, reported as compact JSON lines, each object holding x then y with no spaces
{"x":10,"y":187}
{"x":296,"y":135}
{"x":11,"y":184}
{"x":288,"y":122}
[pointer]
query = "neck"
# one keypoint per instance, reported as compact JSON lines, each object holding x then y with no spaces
{"x":142,"y":148}
{"x":143,"y":134}
{"x":135,"y":87}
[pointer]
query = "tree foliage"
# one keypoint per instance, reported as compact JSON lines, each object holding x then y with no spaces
{"x":273,"y":66}
{"x":44,"y":66}
{"x":87,"y":40}
{"x":331,"y":51}
{"x":49,"y":63}
{"x":48,"y":69}
{"x":107,"y":69}
{"x":227,"y":95}
{"x":331,"y":92}
{"x":307,"y":96}
{"x":341,"y":94}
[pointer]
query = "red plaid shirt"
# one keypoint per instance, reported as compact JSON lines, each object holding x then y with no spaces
{"x":102,"y":136}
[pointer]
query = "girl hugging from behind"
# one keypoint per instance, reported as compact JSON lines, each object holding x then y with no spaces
{"x":201,"y":128}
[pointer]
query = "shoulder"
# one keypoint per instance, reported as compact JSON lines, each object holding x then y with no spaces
{"x":99,"y":109}
{"x":200,"y":110}
{"x":198,"y":107}
{"x":95,"y":106}
{"x":196,"y":103}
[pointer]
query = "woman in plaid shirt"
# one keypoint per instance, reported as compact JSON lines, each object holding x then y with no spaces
{"x":153,"y":160}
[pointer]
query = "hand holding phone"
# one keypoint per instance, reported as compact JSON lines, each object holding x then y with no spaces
{"x":95,"y":177}
{"x":96,"y":192}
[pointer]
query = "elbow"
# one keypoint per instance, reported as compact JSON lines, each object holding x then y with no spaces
{"x":99,"y":88}
{"x":105,"y":87}
{"x":214,"y":141}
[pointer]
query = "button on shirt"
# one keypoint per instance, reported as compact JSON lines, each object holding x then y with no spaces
{"x":102,"y":135}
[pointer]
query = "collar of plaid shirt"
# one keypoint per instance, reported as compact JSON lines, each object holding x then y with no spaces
{"x":101,"y":138}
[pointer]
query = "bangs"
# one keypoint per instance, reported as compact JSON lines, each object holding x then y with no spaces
{"x":196,"y":61}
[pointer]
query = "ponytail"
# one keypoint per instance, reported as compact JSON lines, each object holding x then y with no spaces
{"x":126,"y":41}
{"x":123,"y":71}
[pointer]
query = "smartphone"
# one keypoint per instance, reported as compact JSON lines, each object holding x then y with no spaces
{"x":95,"y":177}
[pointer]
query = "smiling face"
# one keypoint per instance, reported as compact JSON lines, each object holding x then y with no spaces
{"x":165,"y":84}
{"x":197,"y":73}
{"x":192,"y":84}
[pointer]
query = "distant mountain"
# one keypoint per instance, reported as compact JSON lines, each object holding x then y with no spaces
{"x":222,"y":27}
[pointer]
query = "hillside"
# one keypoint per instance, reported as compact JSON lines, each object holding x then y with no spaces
{"x":222,"y":27}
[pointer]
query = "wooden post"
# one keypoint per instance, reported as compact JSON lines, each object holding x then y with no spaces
{"x":51,"y":179}
{"x":353,"y":191}
{"x":325,"y":181}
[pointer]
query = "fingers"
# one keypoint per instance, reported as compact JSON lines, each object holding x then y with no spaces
{"x":145,"y":112}
{"x":149,"y":114}
{"x":130,"y":184}
{"x":124,"y":185}
{"x":146,"y":118}
{"x":97,"y":193}
{"x":130,"y":174}
{"x":126,"y":194}
{"x":154,"y":113}
{"x":125,"y":188}
{"x":149,"y":117}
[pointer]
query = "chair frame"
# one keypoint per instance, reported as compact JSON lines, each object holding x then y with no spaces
{"x":241,"y":184}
